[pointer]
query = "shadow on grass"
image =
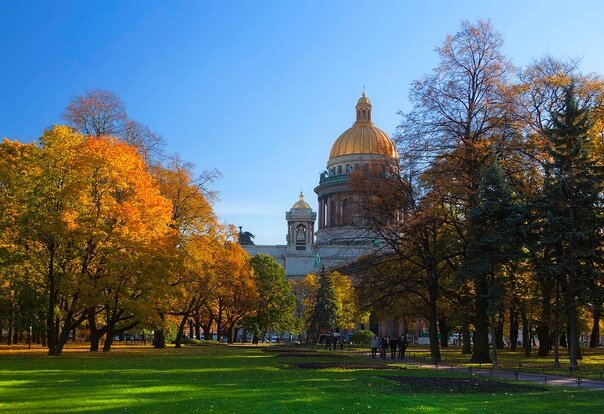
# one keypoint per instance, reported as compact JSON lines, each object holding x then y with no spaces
{"x":236,"y":380}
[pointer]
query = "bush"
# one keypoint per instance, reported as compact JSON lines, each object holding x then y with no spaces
{"x":197,"y":342}
{"x":362,"y":337}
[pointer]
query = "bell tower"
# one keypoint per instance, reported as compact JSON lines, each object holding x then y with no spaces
{"x":300,"y":226}
{"x":363,"y":108}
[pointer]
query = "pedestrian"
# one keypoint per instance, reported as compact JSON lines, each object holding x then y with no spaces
{"x":383,"y":346}
{"x":392,"y":342}
{"x":375,"y":342}
{"x":402,"y":345}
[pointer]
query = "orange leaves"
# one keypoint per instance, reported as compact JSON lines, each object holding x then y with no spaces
{"x":117,"y":193}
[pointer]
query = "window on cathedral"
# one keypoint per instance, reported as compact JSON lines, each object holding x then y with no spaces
{"x":339,"y":170}
{"x":357,"y":166}
{"x":300,"y":234}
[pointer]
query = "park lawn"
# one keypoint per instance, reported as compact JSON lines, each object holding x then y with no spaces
{"x":591,"y":366}
{"x":234,"y":379}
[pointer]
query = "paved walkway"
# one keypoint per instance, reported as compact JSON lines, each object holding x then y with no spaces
{"x":557,"y":380}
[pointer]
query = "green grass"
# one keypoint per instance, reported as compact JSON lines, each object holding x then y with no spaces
{"x":591,"y":366}
{"x":233,"y":380}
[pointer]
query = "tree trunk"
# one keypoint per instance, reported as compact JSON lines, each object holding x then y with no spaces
{"x":594,"y":340}
{"x":51,"y":324}
{"x":480,"y":352}
{"x":110,"y":334}
{"x":563,"y":342}
{"x":544,"y":328}
{"x":499,"y":338}
{"x":526,"y":334}
{"x":11,"y":327}
{"x":556,"y":337}
{"x":466,"y":336}
{"x":230,"y":334}
{"x":443,"y":328}
{"x":433,"y":321}
{"x":95,"y":333}
{"x":159,"y":338}
{"x":207,"y":328}
{"x":573,"y":336}
{"x":219,"y":323}
{"x":514,"y":326}
{"x":494,"y":334}
{"x":197,"y":327}
{"x":108,"y":339}
{"x":181,"y":330}
{"x":191,"y":328}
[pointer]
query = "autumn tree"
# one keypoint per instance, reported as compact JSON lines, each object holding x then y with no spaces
{"x":459,"y":115}
{"x":197,"y":233}
{"x":85,"y":206}
{"x":419,"y":247}
{"x":121,"y":219}
{"x":276,"y":303}
{"x":305,"y":291}
{"x":237,"y":292}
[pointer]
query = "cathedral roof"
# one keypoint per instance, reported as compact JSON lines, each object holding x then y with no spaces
{"x":301,"y":204}
{"x":364,"y":137}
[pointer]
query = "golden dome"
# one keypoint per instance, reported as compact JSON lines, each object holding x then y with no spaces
{"x":301,"y":204}
{"x":363,"y":137}
{"x":363,"y":100}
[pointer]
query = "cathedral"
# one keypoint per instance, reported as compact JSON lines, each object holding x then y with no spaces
{"x":328,"y":238}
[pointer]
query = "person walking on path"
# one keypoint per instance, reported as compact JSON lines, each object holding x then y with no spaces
{"x":402,"y":346}
{"x":383,"y":347}
{"x":392,"y":342}
{"x":375,"y":342}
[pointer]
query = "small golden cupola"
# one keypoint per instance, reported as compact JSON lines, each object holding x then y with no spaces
{"x":363,"y":110}
{"x":301,"y":204}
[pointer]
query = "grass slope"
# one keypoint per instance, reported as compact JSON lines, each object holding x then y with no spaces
{"x":234,"y":380}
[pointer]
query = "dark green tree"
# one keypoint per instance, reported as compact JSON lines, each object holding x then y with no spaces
{"x":497,"y":222}
{"x":324,"y":315}
{"x":573,"y":189}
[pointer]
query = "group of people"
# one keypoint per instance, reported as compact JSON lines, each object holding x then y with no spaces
{"x":332,"y":342}
{"x":383,"y":343}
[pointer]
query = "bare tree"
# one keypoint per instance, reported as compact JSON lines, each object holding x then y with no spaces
{"x":97,"y":112}
{"x":420,"y":244}
{"x":101,"y":112}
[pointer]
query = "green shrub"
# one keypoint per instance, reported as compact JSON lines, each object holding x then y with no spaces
{"x":362,"y":337}
{"x":197,"y":342}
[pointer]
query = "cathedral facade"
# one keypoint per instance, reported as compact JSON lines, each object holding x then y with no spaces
{"x":331,"y":237}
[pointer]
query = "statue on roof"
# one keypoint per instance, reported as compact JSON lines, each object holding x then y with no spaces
{"x":245,"y":237}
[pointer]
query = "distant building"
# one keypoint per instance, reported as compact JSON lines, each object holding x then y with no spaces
{"x":337,"y":241}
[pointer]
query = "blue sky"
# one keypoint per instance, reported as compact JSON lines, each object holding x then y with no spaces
{"x":258,"y":89}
